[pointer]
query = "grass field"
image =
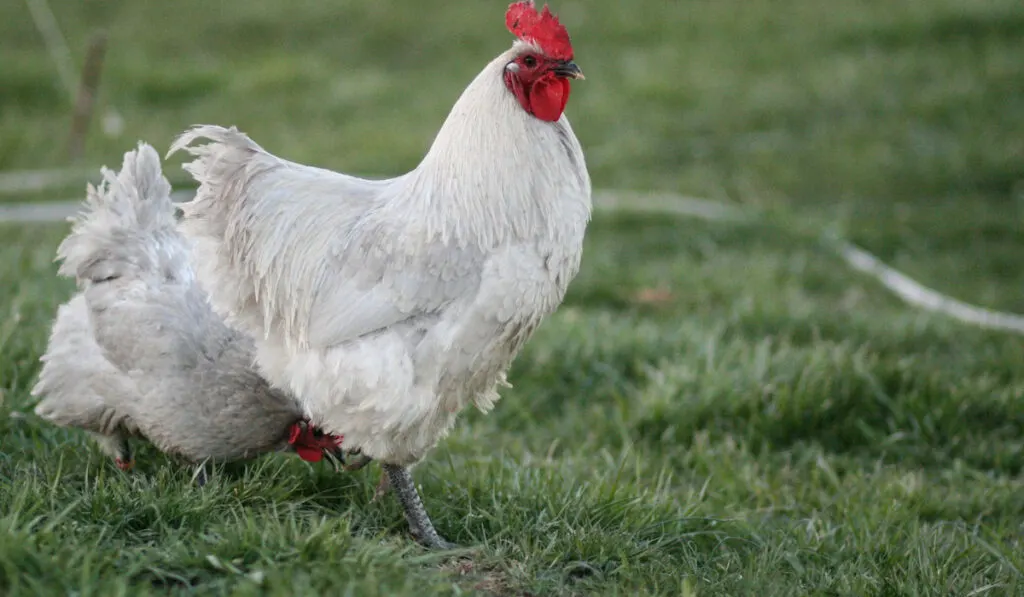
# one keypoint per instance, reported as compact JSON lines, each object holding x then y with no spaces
{"x":719,"y":408}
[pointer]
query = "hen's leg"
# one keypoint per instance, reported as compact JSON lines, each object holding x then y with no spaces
{"x":358,"y":462}
{"x":382,"y":487}
{"x":116,"y":446}
{"x":199,"y":476}
{"x":416,"y":515}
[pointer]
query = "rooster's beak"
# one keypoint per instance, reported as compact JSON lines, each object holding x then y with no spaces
{"x":568,"y":70}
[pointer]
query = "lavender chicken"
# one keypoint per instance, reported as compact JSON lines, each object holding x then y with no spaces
{"x":139,"y":352}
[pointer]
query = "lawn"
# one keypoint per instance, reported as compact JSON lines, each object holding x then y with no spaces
{"x":720,"y":408}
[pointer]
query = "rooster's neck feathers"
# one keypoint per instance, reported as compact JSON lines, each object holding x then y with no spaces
{"x":481,"y":180}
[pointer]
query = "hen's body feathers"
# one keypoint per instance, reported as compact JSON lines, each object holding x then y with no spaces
{"x":139,"y":349}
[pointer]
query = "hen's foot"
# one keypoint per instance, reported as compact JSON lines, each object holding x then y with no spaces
{"x":116,"y":446}
{"x":415,"y":514}
{"x":123,"y":454}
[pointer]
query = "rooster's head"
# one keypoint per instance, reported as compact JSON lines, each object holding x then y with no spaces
{"x":539,"y":73}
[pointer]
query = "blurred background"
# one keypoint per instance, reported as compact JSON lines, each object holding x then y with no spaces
{"x":901,"y":122}
{"x":755,"y":375}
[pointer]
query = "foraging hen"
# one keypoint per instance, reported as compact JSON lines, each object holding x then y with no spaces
{"x":139,"y":351}
{"x":387,"y":306}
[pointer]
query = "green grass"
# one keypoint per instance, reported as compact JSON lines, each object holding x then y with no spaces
{"x":766,"y":423}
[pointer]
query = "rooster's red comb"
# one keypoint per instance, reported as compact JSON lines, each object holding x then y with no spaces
{"x":541,"y":28}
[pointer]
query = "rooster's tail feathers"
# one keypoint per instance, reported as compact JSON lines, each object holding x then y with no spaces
{"x":222,"y":168}
{"x":227,"y":223}
{"x":230,"y":137}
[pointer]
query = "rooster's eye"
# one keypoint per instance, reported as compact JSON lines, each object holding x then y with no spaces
{"x":529,"y":61}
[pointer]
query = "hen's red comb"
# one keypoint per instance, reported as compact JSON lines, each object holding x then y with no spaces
{"x":541,"y":28}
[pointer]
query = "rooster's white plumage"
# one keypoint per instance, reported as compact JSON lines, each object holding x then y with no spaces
{"x":387,"y":306}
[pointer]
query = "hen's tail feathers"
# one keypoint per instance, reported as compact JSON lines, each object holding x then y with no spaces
{"x":127,"y":226}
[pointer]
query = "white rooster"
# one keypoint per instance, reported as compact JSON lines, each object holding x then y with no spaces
{"x":387,"y":306}
{"x":139,"y":351}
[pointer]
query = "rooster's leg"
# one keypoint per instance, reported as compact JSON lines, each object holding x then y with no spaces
{"x":415,"y":513}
